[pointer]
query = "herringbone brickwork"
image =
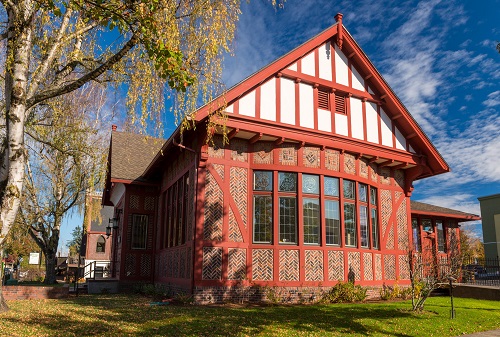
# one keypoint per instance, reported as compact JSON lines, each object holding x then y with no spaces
{"x":385,"y":175}
{"x":145,"y":265}
{"x":354,"y":262}
{"x":332,"y":159}
{"x":386,"y":212}
{"x":262,"y":264}
{"x":399,"y":177}
{"x":349,"y":163}
{"x":134,"y":201}
{"x":378,"y":267}
{"x":212,"y":228}
{"x":170,"y":263}
{"x":311,"y":157}
{"x":402,"y":219}
{"x":288,"y":155}
{"x":404,"y":267}
{"x":212,"y":263}
{"x":216,"y":150}
{"x":289,"y":265}
{"x":314,"y":265}
{"x":263,"y":153}
{"x":239,"y":149}
{"x":390,"y":267}
{"x":234,"y":229}
{"x":368,"y":266}
{"x":373,"y":172}
{"x":239,"y":191}
{"x":219,"y":168}
{"x":149,"y":203}
{"x":363,"y":168}
{"x":335,"y":265}
{"x":237,"y":264}
{"x":130,"y":264}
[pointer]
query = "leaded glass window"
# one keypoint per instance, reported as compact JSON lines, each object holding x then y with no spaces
{"x":263,"y":181}
{"x":262,"y":218}
{"x":287,"y":182}
{"x":363,"y":226}
{"x":139,"y":231}
{"x":417,"y":245}
{"x":310,"y":184}
{"x":311,"y":218}
{"x":332,"y":186}
{"x":350,"y":224}
{"x":288,"y":221}
{"x":440,"y":235}
{"x":349,"y":189}
{"x":332,"y":223}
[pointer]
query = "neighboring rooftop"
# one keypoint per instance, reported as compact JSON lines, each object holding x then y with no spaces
{"x":131,"y":154}
{"x":428,"y":209}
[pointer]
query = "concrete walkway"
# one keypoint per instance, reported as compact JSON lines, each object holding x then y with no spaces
{"x":491,"y":333}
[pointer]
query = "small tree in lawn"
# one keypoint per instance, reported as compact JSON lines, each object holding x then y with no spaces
{"x":430,"y":271}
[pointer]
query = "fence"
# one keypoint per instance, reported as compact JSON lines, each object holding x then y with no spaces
{"x":485,"y":272}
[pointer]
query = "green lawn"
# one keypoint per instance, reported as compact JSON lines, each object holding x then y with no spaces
{"x":130,"y":315}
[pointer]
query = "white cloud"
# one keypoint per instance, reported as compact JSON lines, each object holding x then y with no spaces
{"x":493,"y":99}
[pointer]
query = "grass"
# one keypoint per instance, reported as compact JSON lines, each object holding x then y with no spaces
{"x":130,"y":315}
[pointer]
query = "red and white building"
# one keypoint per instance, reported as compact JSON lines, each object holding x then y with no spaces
{"x":313,"y":187}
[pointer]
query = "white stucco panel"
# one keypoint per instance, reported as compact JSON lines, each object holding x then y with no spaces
{"x":400,"y":140}
{"x":325,"y":61}
{"x":117,"y":193}
{"x":386,"y":127}
{"x":358,"y":82}
{"x":268,"y":100}
{"x":308,"y":65}
{"x":230,"y":108}
{"x":341,"y":124}
{"x":247,"y":104}
{"x":287,"y":99}
{"x":371,"y":123}
{"x":341,"y":69}
{"x":293,"y":67}
{"x":357,"y":127}
{"x":306,"y":105}
{"x":324,"y":120}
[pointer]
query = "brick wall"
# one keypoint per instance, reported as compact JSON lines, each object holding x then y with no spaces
{"x":33,"y":292}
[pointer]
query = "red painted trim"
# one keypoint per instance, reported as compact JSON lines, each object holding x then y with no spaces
{"x":278,"y":99}
{"x":365,"y":126}
{"x":257,"y":102}
{"x":297,"y":103}
{"x":316,"y":62}
{"x":465,"y":217}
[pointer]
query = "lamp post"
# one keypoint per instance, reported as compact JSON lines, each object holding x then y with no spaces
{"x":452,"y":312}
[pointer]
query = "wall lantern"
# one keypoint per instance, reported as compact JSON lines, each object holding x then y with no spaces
{"x":113,"y":224}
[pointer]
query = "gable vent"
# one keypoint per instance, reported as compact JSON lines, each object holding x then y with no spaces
{"x":323,"y":100}
{"x":340,"y":104}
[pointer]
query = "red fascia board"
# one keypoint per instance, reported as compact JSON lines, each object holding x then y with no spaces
{"x":465,"y":217}
{"x":130,"y":182}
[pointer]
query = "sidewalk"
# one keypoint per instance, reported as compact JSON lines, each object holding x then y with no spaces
{"x":491,"y":333}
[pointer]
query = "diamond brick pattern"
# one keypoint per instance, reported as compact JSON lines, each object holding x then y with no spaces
{"x":314,"y":265}
{"x":130,"y":265}
{"x":385,"y":175}
{"x":335,"y":265}
{"x":373,"y":172}
{"x":262,"y":264}
{"x":402,"y":221}
{"x":238,"y":189}
{"x":212,"y":228}
{"x":288,"y":155}
{"x":237,"y":264}
{"x":216,"y":150}
{"x":239,"y":149}
{"x":149,"y":203}
{"x":363,"y":168}
{"x":378,"y":267}
{"x":399,"y":177}
{"x":146,"y":265}
{"x":386,"y":211}
{"x":390,"y":238}
{"x":134,"y":201}
{"x":354,"y":262}
{"x":163,"y":265}
{"x":390,"y":267}
{"x":212,"y":263}
{"x":263,"y":153}
{"x":332,"y":160}
{"x":349,"y":163}
{"x":368,"y":266}
{"x":175,"y":264}
{"x":219,"y":169}
{"x":311,"y":157}
{"x":289,"y":265}
{"x":234,"y":229}
{"x":404,"y":267}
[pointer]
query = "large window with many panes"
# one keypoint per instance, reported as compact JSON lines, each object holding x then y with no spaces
{"x":440,"y":236}
{"x":175,"y":216}
{"x":313,"y":206}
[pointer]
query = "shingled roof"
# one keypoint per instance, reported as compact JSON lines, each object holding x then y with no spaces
{"x":131,"y":154}
{"x":427,"y":209}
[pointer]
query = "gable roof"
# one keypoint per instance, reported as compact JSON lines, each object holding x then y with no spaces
{"x":432,"y":210}
{"x":426,"y":156}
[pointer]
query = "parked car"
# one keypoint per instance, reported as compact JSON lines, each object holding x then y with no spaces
{"x":476,"y":269}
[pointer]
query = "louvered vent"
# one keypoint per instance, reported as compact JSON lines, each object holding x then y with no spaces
{"x":340,"y":104}
{"x":323,"y":100}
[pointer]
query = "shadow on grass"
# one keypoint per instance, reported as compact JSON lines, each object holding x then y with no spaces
{"x":121,"y":315}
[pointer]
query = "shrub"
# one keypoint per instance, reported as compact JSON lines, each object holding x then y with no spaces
{"x":344,"y":292}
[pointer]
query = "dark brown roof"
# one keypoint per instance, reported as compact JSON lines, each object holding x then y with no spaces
{"x":423,"y":208}
{"x":131,"y":154}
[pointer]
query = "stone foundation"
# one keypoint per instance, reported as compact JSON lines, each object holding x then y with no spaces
{"x":17,"y":292}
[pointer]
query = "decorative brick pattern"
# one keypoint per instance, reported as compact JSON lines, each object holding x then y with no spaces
{"x":404,"y":267}
{"x":239,"y":149}
{"x":385,"y":175}
{"x":288,"y":155}
{"x":311,"y":157}
{"x":390,"y":267}
{"x":335,"y":265}
{"x":175,"y":264}
{"x":189,"y":266}
{"x":234,"y":229}
{"x":163,"y":265}
{"x":390,"y":238}
{"x":219,"y":168}
{"x":212,"y":263}
{"x":373,"y":172}
{"x":190,"y":219}
{"x":314,"y":265}
{"x":368,"y":266}
{"x":262,"y":264}
{"x":349,"y":163}
{"x":169,"y":263}
{"x":145,"y":265}
{"x":134,"y":201}
{"x":378,"y":267}
{"x":386,"y":212}
{"x":354,"y":263}
{"x":149,"y":203}
{"x":263,"y":153}
{"x":289,"y":265}
{"x":130,"y":265}
{"x":237,"y":264}
{"x":238,"y":189}
{"x":332,"y":159}
{"x":363,"y":168}
{"x":402,"y":223}
{"x":216,"y":150}
{"x":212,"y":229}
{"x":399,"y":177}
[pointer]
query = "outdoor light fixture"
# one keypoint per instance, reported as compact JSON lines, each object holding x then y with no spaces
{"x":113,"y":224}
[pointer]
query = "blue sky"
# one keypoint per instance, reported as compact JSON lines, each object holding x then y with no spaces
{"x":439,"y":57}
